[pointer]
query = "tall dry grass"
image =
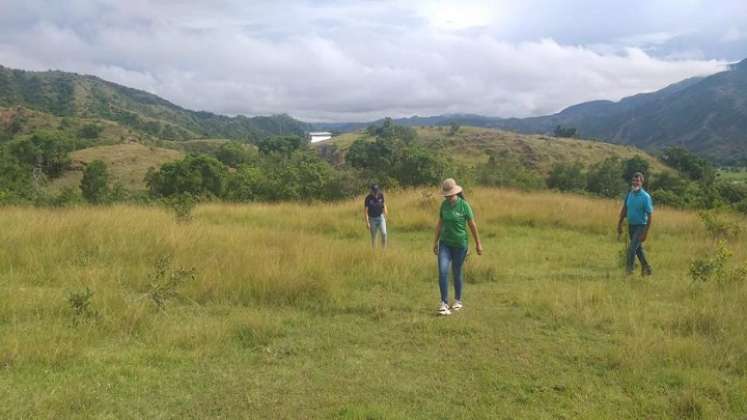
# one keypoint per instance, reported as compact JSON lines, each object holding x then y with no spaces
{"x":265,"y":273}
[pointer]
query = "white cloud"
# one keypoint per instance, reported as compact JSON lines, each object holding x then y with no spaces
{"x":734,"y":35}
{"x":341,"y":61}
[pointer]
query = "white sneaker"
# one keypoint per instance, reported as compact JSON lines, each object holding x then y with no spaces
{"x":444,"y":309}
{"x":457,"y":306}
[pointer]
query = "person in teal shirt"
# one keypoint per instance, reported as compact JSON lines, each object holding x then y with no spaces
{"x":450,"y":244}
{"x":639,"y":210}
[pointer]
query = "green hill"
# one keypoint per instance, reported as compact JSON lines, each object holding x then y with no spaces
{"x":127,"y":164}
{"x":472,"y":146}
{"x":706,"y":115}
{"x":72,"y":95}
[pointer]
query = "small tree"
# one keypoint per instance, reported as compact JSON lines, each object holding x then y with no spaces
{"x":605,"y":178}
{"x":633,"y":165}
{"x":561,"y":131}
{"x":95,"y":182}
{"x":567,"y":177}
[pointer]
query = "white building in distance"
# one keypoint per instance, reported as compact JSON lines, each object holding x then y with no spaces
{"x":315,"y":137}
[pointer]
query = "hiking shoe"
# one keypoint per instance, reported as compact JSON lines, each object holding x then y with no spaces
{"x":646,"y":271}
{"x":457,"y":306}
{"x":444,"y":309}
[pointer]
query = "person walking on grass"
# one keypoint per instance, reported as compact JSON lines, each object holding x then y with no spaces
{"x":450,"y":243}
{"x":639,"y":210}
{"x":375,"y":213}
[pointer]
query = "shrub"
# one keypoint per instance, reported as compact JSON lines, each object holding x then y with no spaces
{"x":566,"y":177}
{"x":82,"y":305}
{"x":164,"y":281}
{"x":503,"y":171}
{"x":182,"y":206}
{"x":742,"y":206}
{"x":605,"y":178}
{"x":95,"y":182}
{"x":46,"y":150}
{"x":689,"y":164}
{"x":90,"y":131}
{"x":234,"y":154}
{"x":283,"y":145}
{"x":713,"y":268}
{"x":717,"y":227}
{"x":633,"y":165}
{"x":197,"y":175}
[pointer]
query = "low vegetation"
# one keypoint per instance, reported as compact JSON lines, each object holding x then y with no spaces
{"x":283,"y":311}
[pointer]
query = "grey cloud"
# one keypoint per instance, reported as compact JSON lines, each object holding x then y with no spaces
{"x":347,"y":61}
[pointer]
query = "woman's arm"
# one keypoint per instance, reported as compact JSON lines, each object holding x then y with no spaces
{"x":473,"y":228}
{"x":438,"y":235}
{"x":365,"y":217}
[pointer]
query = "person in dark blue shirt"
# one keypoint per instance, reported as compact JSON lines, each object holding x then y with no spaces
{"x":638,"y":209}
{"x":375,"y":213}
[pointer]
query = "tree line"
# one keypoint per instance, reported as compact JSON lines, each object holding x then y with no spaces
{"x":287,"y":168}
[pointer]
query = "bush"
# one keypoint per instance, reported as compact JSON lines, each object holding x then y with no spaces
{"x":689,"y":164}
{"x":633,"y":165}
{"x":566,"y":177}
{"x":46,"y":150}
{"x":605,"y":178}
{"x":95,"y":182}
{"x":714,"y":268}
{"x":197,"y":175}
{"x":283,"y":145}
{"x":503,"y":171}
{"x":90,"y":131}
{"x":82,"y":305}
{"x":717,"y":227}
{"x":731,"y":192}
{"x":234,"y":154}
{"x":164,"y":281}
{"x":394,"y":159}
{"x":567,"y":132}
{"x":742,"y":206}
{"x":182,"y":206}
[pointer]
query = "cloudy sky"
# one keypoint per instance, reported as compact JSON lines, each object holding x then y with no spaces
{"x":334,"y":60}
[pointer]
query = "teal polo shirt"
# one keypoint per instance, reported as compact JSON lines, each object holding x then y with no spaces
{"x":639,"y":206}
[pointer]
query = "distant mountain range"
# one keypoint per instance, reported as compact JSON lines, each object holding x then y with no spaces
{"x":72,"y":95}
{"x":707,"y":115}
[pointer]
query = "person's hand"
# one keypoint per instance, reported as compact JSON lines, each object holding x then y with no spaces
{"x":644,"y":236}
{"x":479,"y":248}
{"x":619,"y":229}
{"x":368,"y":225}
{"x":435,"y":249}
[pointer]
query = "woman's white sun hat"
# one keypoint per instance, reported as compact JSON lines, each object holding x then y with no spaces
{"x":450,"y":187}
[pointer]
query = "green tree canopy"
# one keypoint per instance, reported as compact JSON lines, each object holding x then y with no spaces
{"x":95,"y":183}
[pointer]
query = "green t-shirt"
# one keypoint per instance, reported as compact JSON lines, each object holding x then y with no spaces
{"x":454,"y":222}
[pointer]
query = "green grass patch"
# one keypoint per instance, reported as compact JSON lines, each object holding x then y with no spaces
{"x":288,"y":313}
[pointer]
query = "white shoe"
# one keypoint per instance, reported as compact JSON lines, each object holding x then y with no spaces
{"x":444,"y":309}
{"x":457,"y":306}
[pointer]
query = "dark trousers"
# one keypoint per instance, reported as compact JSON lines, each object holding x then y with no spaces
{"x":635,"y":248}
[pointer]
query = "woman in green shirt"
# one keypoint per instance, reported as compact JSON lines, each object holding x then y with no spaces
{"x":450,"y":244}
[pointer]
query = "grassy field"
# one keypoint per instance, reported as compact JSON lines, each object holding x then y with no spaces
{"x":734,"y":175}
{"x":471,"y":145}
{"x":127,"y":164}
{"x":283,"y":311}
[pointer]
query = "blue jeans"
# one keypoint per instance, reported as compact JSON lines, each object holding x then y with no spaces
{"x":454,"y":256}
{"x":378,"y":224}
{"x":635,"y":248}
